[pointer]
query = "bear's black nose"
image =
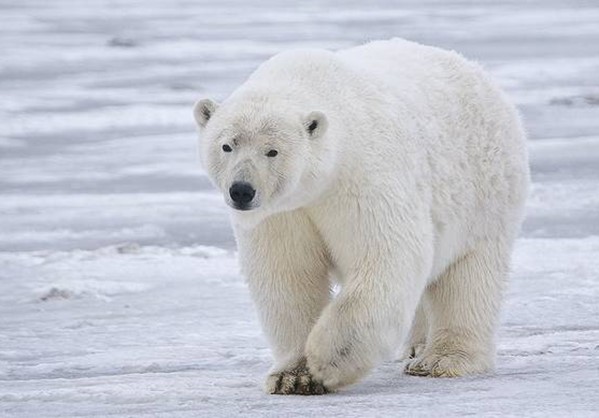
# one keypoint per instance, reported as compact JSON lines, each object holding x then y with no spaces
{"x":242,"y":193}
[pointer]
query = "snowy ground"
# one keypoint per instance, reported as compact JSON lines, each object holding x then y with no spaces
{"x":119,"y":291}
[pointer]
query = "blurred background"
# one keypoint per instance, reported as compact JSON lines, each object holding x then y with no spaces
{"x":119,"y":291}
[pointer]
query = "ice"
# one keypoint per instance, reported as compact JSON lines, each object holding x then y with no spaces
{"x":119,"y":288}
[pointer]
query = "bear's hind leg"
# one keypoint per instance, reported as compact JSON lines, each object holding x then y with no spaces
{"x":463,"y":312}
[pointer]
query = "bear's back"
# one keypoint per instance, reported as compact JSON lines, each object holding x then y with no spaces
{"x":299,"y":69}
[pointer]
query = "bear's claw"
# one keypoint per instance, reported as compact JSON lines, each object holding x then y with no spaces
{"x":297,"y":381}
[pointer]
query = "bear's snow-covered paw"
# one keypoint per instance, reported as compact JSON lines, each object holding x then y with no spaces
{"x":334,"y":363}
{"x":454,"y":364}
{"x":326,"y":372}
{"x":295,"y":381}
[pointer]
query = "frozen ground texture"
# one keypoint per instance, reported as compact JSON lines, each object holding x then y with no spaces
{"x":119,"y":291}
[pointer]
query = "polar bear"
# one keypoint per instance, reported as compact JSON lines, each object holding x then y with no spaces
{"x":395,"y":172}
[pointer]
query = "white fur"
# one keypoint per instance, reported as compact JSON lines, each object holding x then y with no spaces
{"x":410,"y":193}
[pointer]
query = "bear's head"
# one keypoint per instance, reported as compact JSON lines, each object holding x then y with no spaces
{"x":265,"y":157}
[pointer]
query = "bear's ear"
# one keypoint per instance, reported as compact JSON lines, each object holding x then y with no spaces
{"x":315,"y":124}
{"x":203,"y":111}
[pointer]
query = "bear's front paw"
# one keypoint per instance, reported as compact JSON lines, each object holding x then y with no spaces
{"x":337,"y":359}
{"x":296,"y":381}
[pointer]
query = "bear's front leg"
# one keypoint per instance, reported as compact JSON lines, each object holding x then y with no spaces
{"x":287,"y":267}
{"x":366,"y":322}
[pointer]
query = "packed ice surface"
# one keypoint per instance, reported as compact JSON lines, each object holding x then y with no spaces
{"x":119,"y":289}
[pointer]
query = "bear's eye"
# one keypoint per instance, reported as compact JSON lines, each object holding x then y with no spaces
{"x":272,"y":153}
{"x":227,"y":148}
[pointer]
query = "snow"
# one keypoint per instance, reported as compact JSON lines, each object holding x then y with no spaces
{"x":119,"y":289}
